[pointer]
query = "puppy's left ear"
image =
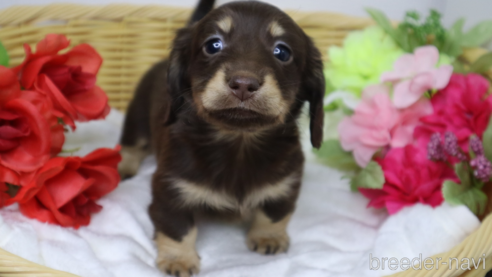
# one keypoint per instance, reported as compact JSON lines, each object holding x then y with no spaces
{"x":177,"y":74}
{"x":314,"y":88}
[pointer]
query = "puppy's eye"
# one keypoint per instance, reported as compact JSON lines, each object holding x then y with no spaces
{"x":213,"y":46}
{"x":282,"y":53}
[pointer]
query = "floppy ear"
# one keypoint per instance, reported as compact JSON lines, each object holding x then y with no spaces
{"x":314,"y":89}
{"x":178,"y":81}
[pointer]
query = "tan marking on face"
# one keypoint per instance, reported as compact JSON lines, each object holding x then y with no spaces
{"x":178,"y":256}
{"x":275,"y":29}
{"x":225,"y":24}
{"x":195,"y":195}
{"x":267,"y":237}
{"x":131,"y":158}
{"x":268,"y":100}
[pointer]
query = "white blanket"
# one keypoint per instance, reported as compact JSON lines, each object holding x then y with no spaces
{"x":332,"y":232}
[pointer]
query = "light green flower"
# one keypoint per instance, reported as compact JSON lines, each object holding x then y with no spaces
{"x":365,"y":55}
{"x":444,"y":60}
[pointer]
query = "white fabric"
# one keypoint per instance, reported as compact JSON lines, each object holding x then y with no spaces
{"x":332,"y":232}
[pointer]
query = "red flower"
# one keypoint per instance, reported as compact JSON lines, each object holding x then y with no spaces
{"x":462,"y":108}
{"x":18,"y":182}
{"x":9,"y":86}
{"x":7,"y":177}
{"x":409,"y":178}
{"x":68,"y":188}
{"x":68,"y":79}
{"x":44,"y":105}
{"x":25,"y":137}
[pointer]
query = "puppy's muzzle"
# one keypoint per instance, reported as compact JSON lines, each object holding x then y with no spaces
{"x":244,"y":87}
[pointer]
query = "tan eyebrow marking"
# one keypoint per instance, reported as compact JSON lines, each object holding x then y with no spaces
{"x":225,"y":24}
{"x":275,"y":29}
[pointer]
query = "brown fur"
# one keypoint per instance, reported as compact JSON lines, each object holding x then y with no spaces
{"x":217,"y":154}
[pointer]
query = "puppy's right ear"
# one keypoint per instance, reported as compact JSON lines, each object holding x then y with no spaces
{"x":178,"y":80}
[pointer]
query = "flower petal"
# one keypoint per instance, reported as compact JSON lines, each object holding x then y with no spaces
{"x":52,"y":44}
{"x":442,"y":76}
{"x":85,"y":56}
{"x":403,"y":68}
{"x":408,"y":92}
{"x":426,"y":58}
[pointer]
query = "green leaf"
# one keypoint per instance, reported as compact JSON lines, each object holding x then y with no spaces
{"x":382,"y":21}
{"x":487,"y":141}
{"x":483,"y":64}
{"x":458,"y":67}
{"x":332,"y":155}
{"x":4,"y":57}
{"x":478,"y":35}
{"x":471,"y":152}
{"x":456,"y":194}
{"x":463,"y":173}
{"x":371,"y":177}
{"x":451,"y":45}
{"x":456,"y":31}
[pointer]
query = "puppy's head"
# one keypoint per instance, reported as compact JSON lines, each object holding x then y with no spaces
{"x":247,"y":66}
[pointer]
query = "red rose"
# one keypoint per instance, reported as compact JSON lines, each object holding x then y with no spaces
{"x":25,"y":137}
{"x":17,"y":183}
{"x":44,"y":105}
{"x":409,"y":178}
{"x":68,"y":79}
{"x":9,"y":85}
{"x":463,"y":108}
{"x":7,"y":177}
{"x":68,"y":188}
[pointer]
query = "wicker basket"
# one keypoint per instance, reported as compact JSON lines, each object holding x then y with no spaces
{"x":131,"y":39}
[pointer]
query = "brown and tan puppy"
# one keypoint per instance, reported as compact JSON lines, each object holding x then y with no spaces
{"x":220,"y":116}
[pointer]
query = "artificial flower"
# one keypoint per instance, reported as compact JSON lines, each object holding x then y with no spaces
{"x":415,"y":74}
{"x":67,"y":188}
{"x":15,"y":186}
{"x":377,"y":123}
{"x":409,"y":178}
{"x":482,"y":168}
{"x":7,"y":177}
{"x":69,"y":79}
{"x":9,"y":86}
{"x":463,"y":108}
{"x":25,"y":137}
{"x":44,"y":105}
{"x":364,"y":56}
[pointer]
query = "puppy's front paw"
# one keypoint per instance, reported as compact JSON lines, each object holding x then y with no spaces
{"x":180,"y":266}
{"x":131,"y":157}
{"x":268,"y":237}
{"x":268,"y":243}
{"x":178,"y":258}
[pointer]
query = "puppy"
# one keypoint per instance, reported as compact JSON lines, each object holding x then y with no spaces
{"x":220,"y":116}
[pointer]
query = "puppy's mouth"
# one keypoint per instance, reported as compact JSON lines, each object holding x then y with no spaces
{"x":241,"y":118}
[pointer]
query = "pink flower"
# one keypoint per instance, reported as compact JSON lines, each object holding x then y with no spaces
{"x":376,"y":123}
{"x":415,"y":74}
{"x":461,"y":108}
{"x":409,"y":178}
{"x":409,"y":119}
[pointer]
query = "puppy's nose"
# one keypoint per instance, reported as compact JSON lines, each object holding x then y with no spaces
{"x":243,"y":87}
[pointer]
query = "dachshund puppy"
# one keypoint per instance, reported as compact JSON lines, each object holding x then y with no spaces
{"x":220,"y":116}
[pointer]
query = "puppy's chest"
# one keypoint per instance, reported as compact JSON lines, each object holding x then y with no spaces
{"x":201,"y":195}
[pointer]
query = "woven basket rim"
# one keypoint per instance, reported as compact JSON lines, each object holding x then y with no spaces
{"x":155,"y":12}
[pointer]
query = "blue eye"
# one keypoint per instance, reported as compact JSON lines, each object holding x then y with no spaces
{"x":282,"y":53}
{"x":213,"y":46}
